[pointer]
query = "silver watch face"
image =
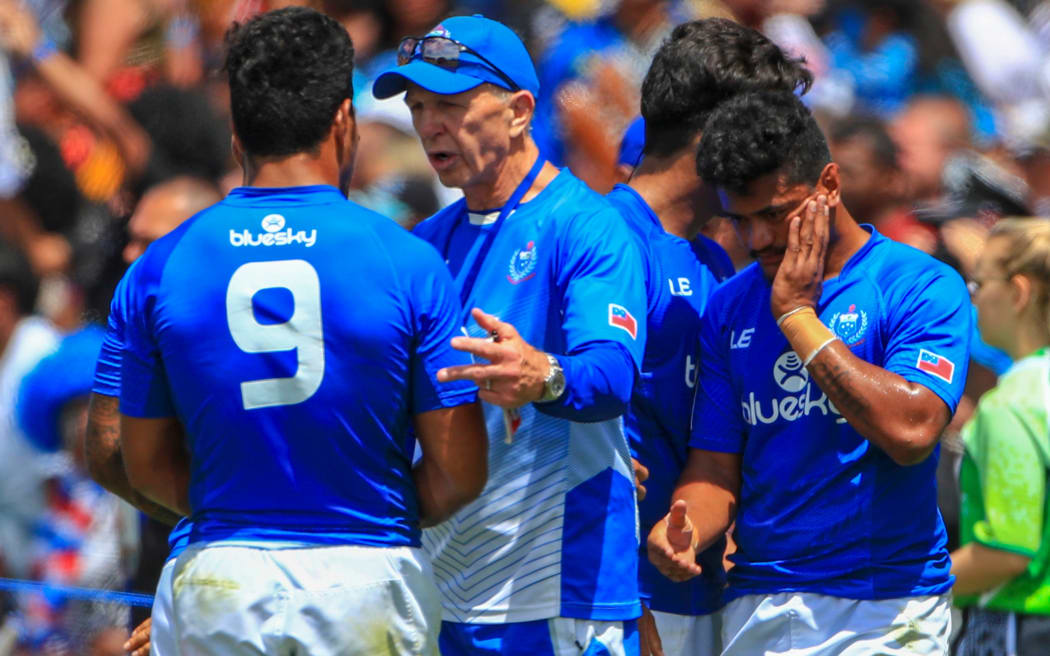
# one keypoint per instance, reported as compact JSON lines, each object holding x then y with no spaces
{"x":554,"y":386}
{"x":557,"y":385}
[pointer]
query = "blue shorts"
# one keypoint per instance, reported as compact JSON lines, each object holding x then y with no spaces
{"x":561,"y":636}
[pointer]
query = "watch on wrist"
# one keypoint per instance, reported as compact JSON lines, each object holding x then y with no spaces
{"x":554,"y":383}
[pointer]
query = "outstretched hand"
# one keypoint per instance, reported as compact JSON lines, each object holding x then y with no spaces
{"x":672,"y":544}
{"x":800,"y":278}
{"x":515,"y":370}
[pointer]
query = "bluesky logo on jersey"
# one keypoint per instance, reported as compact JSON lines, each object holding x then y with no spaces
{"x":522,"y":264}
{"x":621,"y":318}
{"x":850,"y":326}
{"x":274,"y":234}
{"x":936,"y":365}
{"x":801,"y":400}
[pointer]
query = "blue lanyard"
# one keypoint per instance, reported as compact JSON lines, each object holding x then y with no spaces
{"x":490,"y":236}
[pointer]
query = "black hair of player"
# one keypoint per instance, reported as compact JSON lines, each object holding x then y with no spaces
{"x":703,"y":63}
{"x":755,"y":134}
{"x":883,"y":148}
{"x":289,"y":71}
{"x":16,"y":275}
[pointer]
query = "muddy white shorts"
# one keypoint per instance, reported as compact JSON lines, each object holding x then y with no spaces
{"x":328,"y":600}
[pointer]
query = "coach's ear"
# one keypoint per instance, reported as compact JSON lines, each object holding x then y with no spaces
{"x":831,"y":184}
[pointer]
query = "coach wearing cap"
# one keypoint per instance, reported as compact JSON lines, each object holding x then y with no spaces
{"x":545,"y":559}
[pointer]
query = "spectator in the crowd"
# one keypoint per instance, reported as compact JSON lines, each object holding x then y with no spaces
{"x":24,"y":340}
{"x":86,"y":537}
{"x":1002,"y":570}
{"x":163,"y":207}
{"x":868,"y":159}
{"x":190,"y":137}
{"x":590,"y":75}
{"x":873,"y":44}
{"x":928,"y":131}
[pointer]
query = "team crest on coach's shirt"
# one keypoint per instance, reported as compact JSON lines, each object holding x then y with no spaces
{"x":522,"y":264}
{"x":850,"y":326}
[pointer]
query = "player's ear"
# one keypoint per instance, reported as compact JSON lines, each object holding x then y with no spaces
{"x":238,"y":150}
{"x":831,"y":184}
{"x":344,"y":128}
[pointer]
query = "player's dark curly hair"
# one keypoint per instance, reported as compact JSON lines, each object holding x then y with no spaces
{"x":755,"y":134}
{"x":289,"y":70}
{"x":703,"y":63}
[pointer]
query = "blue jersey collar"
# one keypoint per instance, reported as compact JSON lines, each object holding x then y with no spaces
{"x":269,"y":196}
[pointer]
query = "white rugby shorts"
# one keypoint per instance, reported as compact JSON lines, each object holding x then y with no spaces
{"x":320,"y":600}
{"x":805,"y":624}
{"x":689,"y":635}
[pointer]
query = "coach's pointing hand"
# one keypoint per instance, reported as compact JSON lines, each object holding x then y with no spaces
{"x":672,"y":545}
{"x":515,"y":371}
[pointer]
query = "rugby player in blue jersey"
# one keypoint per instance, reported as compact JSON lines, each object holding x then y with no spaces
{"x":828,"y":370}
{"x":703,"y":63}
{"x":279,"y":351}
{"x":545,"y":561}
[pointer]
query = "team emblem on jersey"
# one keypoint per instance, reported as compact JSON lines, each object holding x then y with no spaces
{"x":522,"y":264}
{"x":936,"y":365}
{"x":789,"y":373}
{"x":850,"y":326}
{"x":273,"y":222}
{"x":621,"y":318}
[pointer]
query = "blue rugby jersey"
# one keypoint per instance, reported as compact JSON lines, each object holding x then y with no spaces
{"x":294,"y":334}
{"x":821,"y":508}
{"x":657,"y":423}
{"x":555,"y":531}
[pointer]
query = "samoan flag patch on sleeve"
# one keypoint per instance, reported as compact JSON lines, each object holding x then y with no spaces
{"x":936,"y":365}
{"x":621,"y":318}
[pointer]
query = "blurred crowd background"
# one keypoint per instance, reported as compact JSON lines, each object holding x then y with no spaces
{"x":114,"y":128}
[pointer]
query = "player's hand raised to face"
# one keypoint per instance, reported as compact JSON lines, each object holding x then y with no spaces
{"x":515,"y":371}
{"x":672,"y":545}
{"x":800,"y":278}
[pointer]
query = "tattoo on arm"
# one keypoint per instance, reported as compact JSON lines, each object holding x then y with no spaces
{"x":837,"y":379}
{"x":105,"y":463}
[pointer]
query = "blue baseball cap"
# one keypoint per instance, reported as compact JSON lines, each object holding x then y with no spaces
{"x":498,"y":46}
{"x":66,"y":374}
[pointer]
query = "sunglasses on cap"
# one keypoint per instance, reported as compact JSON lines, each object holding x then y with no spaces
{"x":444,"y":52}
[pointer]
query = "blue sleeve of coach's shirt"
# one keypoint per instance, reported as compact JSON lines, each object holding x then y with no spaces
{"x":603,"y":316}
{"x":594,"y":384}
